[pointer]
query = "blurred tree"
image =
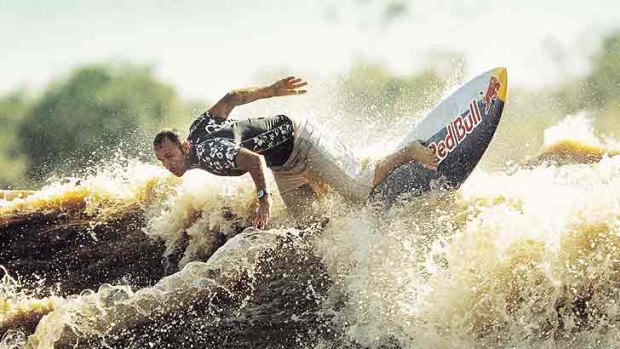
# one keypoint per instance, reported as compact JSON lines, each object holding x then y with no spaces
{"x":385,"y":13}
{"x":599,"y":92}
{"x":394,"y":10}
{"x":603,"y":85}
{"x":96,"y":109}
{"x":369,"y":90}
{"x":604,"y":81}
{"x":13,"y":164}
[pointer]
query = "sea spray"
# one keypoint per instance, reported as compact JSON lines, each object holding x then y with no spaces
{"x":522,"y":259}
{"x":527,"y":257}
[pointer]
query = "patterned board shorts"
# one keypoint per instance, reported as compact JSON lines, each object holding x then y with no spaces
{"x":318,"y":158}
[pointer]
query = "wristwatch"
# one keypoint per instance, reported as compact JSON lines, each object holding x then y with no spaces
{"x":261,"y":194}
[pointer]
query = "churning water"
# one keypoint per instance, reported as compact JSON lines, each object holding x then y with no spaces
{"x":520,"y":258}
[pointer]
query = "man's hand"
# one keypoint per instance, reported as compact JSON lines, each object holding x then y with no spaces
{"x":263,"y":212}
{"x":255,"y":164}
{"x":288,"y":86}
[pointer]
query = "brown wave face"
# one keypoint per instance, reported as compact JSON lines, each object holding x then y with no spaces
{"x":59,"y":243}
{"x":571,"y":152}
{"x":59,"y":253}
{"x":272,"y":298}
{"x":141,"y":259}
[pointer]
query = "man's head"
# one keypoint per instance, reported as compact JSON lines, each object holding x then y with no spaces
{"x":172,"y":149}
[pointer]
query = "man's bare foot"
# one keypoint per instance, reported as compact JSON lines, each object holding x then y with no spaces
{"x":412,"y":152}
{"x":422,"y":155}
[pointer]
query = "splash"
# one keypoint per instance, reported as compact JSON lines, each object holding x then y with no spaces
{"x":576,"y":128}
{"x":20,"y":311}
{"x":522,"y":259}
{"x":526,"y":257}
{"x":107,"y":192}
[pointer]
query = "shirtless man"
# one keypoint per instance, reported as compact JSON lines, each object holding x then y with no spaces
{"x":300,"y":154}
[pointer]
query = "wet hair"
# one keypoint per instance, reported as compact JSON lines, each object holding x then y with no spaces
{"x":171,"y":134}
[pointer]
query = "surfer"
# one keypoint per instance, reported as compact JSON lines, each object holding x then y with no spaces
{"x":302,"y":156}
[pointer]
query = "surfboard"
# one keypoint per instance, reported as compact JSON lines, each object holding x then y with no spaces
{"x":458,"y":130}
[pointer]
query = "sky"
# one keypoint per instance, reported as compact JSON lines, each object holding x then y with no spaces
{"x":205,"y":48}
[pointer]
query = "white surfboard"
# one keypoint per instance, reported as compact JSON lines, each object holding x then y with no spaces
{"x":459,"y":130}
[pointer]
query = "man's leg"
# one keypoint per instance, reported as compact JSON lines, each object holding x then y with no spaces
{"x":385,"y":166}
{"x":319,"y":157}
{"x":332,"y":162}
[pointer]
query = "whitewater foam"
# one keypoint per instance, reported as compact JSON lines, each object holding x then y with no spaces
{"x":523,"y":258}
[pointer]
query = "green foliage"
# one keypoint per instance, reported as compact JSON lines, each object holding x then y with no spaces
{"x":98,"y":108}
{"x":604,"y":81}
{"x":599,"y":92}
{"x":13,"y":164}
{"x":604,"y":84}
{"x":93,"y":111}
{"x":394,"y":10}
{"x":371,"y":90}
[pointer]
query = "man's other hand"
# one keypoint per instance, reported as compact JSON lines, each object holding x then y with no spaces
{"x":288,"y":86}
{"x":263,"y":212}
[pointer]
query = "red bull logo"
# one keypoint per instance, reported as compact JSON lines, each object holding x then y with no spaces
{"x":491,"y":95}
{"x":457,"y":130}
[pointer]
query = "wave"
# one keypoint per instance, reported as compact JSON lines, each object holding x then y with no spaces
{"x":133,"y":257}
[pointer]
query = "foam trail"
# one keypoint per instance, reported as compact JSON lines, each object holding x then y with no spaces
{"x":521,"y":259}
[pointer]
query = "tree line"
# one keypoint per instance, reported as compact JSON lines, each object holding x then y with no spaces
{"x":82,"y":118}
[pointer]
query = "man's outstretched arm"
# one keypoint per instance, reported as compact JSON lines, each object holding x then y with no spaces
{"x":284,"y":87}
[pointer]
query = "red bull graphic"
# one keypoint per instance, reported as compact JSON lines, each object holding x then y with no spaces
{"x":491,"y":95}
{"x":457,"y":131}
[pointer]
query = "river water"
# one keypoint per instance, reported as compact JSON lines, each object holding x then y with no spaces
{"x":523,"y":257}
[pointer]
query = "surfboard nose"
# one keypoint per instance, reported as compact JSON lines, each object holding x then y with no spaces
{"x":502,"y":75}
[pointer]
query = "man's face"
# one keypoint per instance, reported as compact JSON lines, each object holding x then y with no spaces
{"x":173,"y":156}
